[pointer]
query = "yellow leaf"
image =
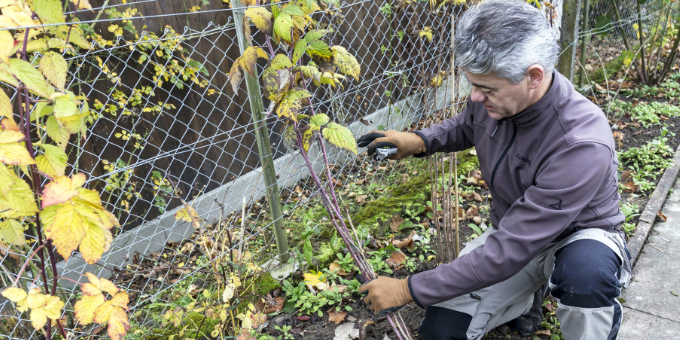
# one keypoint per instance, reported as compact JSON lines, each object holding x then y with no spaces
{"x":54,"y":67}
{"x":100,"y":284}
{"x":6,"y":45}
{"x":235,"y":75}
{"x":31,"y":77}
{"x":86,"y":306}
{"x":346,"y":62}
{"x":7,"y":123}
{"x":64,"y":106}
{"x":427,"y":33}
{"x":49,"y":10}
{"x":14,"y":294}
{"x":75,"y":36}
{"x":64,"y":226}
{"x":5,"y":104}
{"x":42,"y":307}
{"x":82,"y":4}
{"x":261,"y":17}
{"x":14,"y":153}
{"x":188,"y":214}
{"x":291,"y":103}
{"x":97,"y":240}
{"x":313,"y":278}
{"x":57,"y":131}
{"x":19,"y":14}
{"x":228,"y":293}
{"x":118,"y":324}
{"x":62,"y":189}
{"x":12,"y":232}
{"x":103,"y":312}
{"x":16,"y":196}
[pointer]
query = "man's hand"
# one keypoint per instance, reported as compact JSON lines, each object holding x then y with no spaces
{"x":407,"y":143}
{"x":386,"y":294}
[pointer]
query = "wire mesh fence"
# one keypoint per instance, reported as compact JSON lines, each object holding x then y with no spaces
{"x":167,"y":128}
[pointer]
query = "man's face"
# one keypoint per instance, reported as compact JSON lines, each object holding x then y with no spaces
{"x":500,"y":97}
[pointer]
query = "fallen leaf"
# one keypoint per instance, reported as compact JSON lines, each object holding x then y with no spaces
{"x":472,"y":211}
{"x":660,"y":215}
{"x":335,"y":268}
{"x":336,"y":317}
{"x":407,"y":242}
{"x":627,"y":176}
{"x":473,"y":196}
{"x":630,"y":187}
{"x":477,"y":220}
{"x":303,"y":318}
{"x":339,"y":288}
{"x":674,"y":293}
{"x":362,"y":199}
{"x":543,"y":332}
{"x":274,"y":306}
{"x":396,"y":223}
{"x":396,"y":259}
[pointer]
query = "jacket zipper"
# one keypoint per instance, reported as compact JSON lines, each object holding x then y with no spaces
{"x":505,"y":152}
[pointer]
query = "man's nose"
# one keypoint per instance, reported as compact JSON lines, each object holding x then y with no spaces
{"x":477,"y":95}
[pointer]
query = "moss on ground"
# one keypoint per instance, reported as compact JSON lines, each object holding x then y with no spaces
{"x":265,"y":284}
{"x":415,"y":190}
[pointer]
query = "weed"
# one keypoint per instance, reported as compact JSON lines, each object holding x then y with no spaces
{"x":285,"y":330}
{"x":649,"y":160}
{"x":630,"y":211}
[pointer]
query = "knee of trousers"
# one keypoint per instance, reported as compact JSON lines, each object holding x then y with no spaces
{"x":586,"y":275}
{"x":444,"y":324}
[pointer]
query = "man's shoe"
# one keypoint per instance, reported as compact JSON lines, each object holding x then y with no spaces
{"x":529,"y":323}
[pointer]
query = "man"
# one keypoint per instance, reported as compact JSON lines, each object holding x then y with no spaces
{"x":548,"y":157}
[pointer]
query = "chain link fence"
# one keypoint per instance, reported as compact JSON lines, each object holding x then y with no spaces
{"x":167,"y":128}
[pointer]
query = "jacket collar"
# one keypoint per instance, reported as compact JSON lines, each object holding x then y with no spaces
{"x":541,"y":109}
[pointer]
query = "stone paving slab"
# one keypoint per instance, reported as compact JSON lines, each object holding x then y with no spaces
{"x":653,"y":310}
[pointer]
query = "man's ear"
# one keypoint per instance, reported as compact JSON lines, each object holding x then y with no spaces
{"x":536,"y":75}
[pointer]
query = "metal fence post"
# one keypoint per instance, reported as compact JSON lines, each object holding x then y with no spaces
{"x":568,"y":34}
{"x":263,"y":143}
{"x":584,"y":43}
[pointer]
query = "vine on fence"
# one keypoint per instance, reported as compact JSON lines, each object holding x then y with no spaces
{"x":62,"y":215}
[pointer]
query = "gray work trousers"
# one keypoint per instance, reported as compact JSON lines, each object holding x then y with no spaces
{"x":495,"y":305}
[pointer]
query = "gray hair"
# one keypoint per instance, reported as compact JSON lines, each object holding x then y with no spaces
{"x":505,"y":37}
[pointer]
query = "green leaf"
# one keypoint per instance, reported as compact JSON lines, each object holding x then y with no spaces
{"x":308,"y":250}
{"x":293,"y":10}
{"x":280,"y":62}
{"x":319,"y":119}
{"x":335,"y":3}
{"x":299,"y":50}
{"x":475,"y":228}
{"x":64,"y":107}
{"x":315,"y":35}
{"x":54,"y":67}
{"x":30,"y":77}
{"x":340,"y":137}
{"x":12,"y":232}
{"x":53,"y":162}
{"x":283,"y":26}
{"x":49,"y":10}
{"x":57,"y":132}
{"x":319,"y":49}
{"x":6,"y":45}
{"x":75,"y":37}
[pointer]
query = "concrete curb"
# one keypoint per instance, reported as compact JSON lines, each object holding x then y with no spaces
{"x":654,"y":204}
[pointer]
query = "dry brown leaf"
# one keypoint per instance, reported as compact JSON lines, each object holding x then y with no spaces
{"x":407,"y":242}
{"x":630,"y":187}
{"x":396,"y":223}
{"x":473,"y":196}
{"x":362,"y":199}
{"x":335,"y":268}
{"x":336,"y":317}
{"x":543,"y":332}
{"x":661,"y":216}
{"x":274,"y":306}
{"x":396,"y":259}
{"x":477,"y":220}
{"x":472,"y":211}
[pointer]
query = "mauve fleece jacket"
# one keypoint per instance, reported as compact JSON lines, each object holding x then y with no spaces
{"x":551,"y":170}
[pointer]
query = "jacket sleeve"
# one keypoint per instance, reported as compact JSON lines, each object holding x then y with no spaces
{"x":453,"y":134}
{"x":564,"y":186}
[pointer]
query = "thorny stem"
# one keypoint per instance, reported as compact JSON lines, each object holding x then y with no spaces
{"x":28,"y":260}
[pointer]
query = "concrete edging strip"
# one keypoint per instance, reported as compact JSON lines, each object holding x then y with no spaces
{"x":654,"y":205}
